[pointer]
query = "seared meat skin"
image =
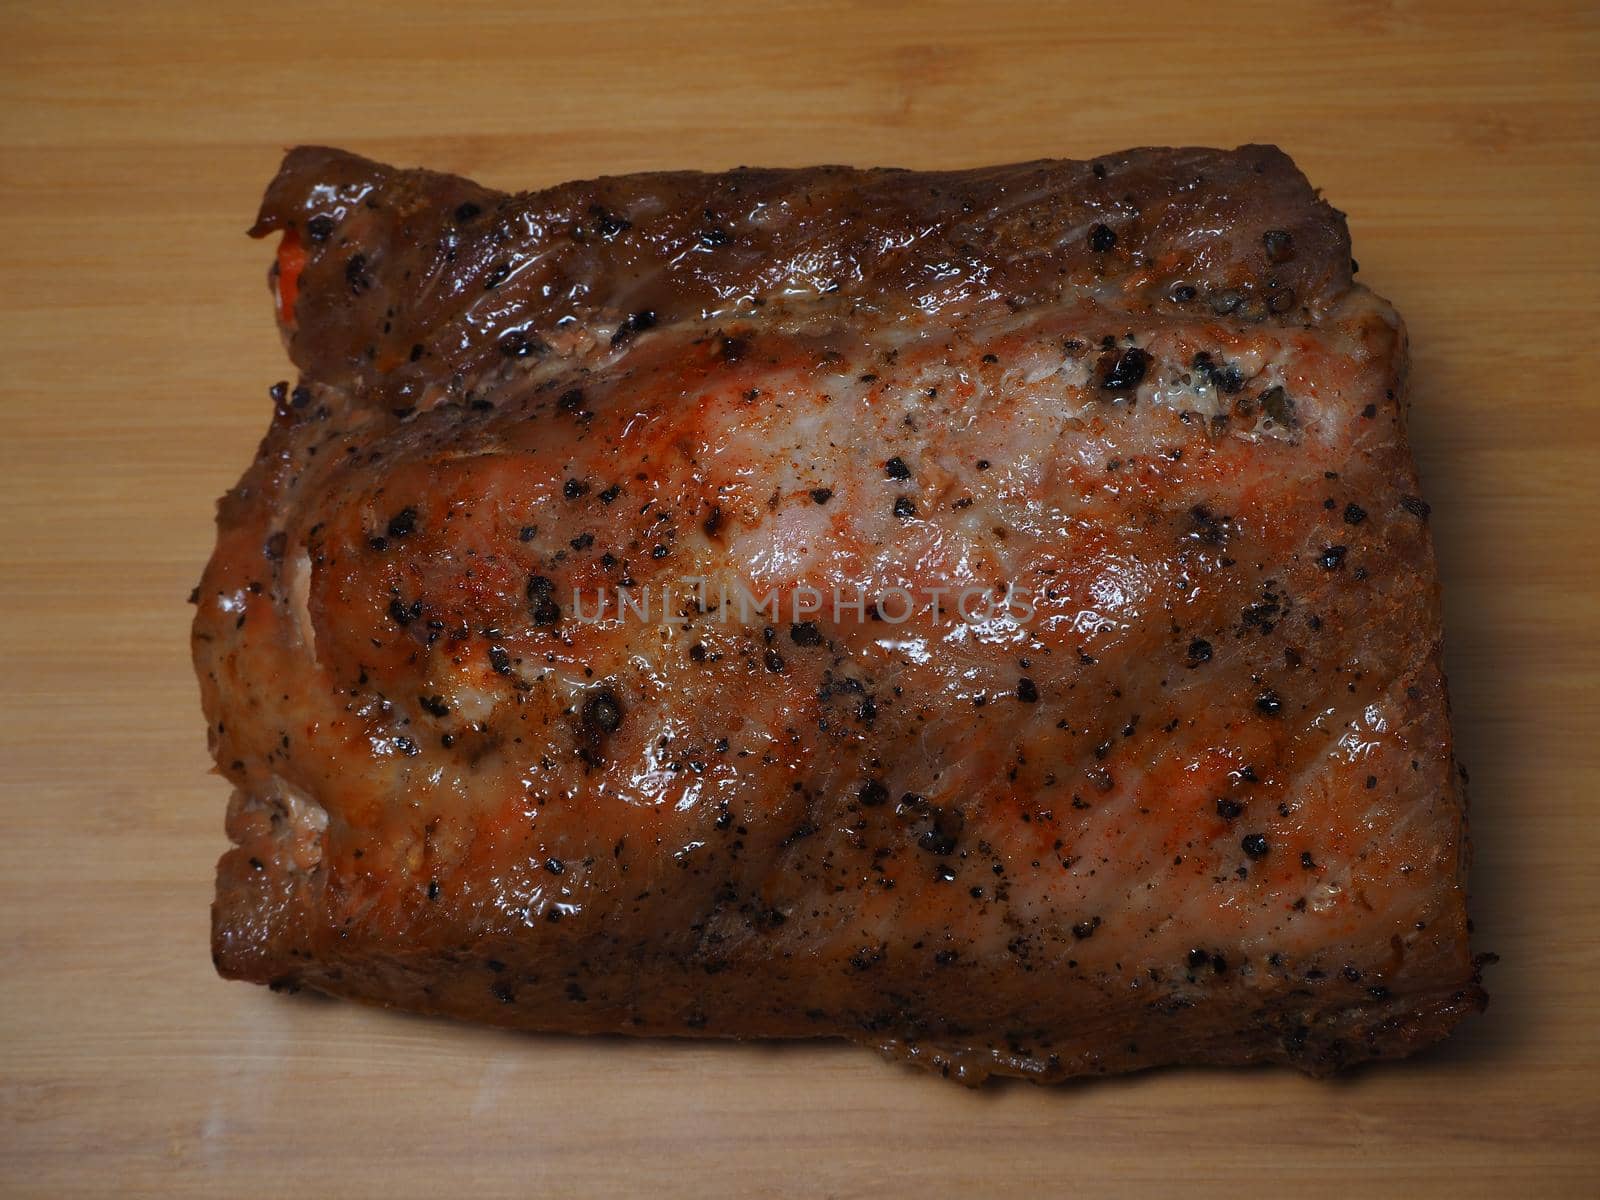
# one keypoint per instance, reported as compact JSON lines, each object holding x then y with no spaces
{"x":1194,"y":801}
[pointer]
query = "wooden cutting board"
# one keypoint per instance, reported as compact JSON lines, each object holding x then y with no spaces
{"x":138,"y":345}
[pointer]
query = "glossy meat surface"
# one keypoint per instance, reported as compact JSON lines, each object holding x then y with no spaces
{"x":1109,"y":730}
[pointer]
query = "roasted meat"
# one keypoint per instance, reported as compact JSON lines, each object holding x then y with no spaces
{"x":987,"y":615}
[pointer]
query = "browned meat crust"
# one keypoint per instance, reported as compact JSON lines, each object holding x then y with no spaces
{"x":1196,"y":804}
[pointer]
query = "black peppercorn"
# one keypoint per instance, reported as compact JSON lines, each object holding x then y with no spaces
{"x":1125,"y":371}
{"x":542,"y":600}
{"x":1279,"y":245}
{"x":805,"y":633}
{"x":403,"y":524}
{"x":873,"y":794}
{"x":602,"y":712}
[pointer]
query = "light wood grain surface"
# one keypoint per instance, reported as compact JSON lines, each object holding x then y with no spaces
{"x":138,"y":343}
